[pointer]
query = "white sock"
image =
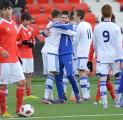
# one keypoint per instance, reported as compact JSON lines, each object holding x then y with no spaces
{"x":83,"y":85}
{"x":103,"y":91}
{"x":48,"y":87}
{"x":117,"y":85}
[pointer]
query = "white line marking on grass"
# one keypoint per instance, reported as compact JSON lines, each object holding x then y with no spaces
{"x":71,"y":116}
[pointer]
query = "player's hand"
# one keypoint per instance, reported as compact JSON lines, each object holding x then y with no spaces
{"x":31,"y":45}
{"x":90,"y":66}
{"x":25,"y":42}
{"x":4,"y":54}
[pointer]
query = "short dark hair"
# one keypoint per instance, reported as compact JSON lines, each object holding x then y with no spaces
{"x":80,"y":13}
{"x":65,"y":12}
{"x":55,"y":13}
{"x":71,"y":15}
{"x":26,"y":16}
{"x":5,"y":4}
{"x":106,"y":11}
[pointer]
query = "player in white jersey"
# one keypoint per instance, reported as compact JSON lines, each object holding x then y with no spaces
{"x":84,"y":38}
{"x":50,"y":54}
{"x":107,"y":45}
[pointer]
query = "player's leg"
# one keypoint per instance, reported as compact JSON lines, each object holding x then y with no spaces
{"x":65,"y":82}
{"x":117,"y":85}
{"x":4,"y":81}
{"x":117,"y":73}
{"x":103,"y":69}
{"x":59,"y":83}
{"x":72,"y":97}
{"x":97,"y":97}
{"x":110,"y":88}
{"x":28,"y":86}
{"x":28,"y":69}
{"x":17,"y":76}
{"x":2,"y":99}
{"x":103,"y":90}
{"x":52,"y":69}
{"x":82,"y":67}
{"x":67,"y":60}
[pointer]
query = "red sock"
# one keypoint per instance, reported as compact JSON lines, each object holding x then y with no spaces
{"x":28,"y":91}
{"x":2,"y":100}
{"x":97,"y":98}
{"x":111,"y":89}
{"x":19,"y":97}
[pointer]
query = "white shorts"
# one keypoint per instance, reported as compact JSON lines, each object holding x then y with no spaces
{"x":104,"y":68}
{"x":27,"y":65}
{"x":82,"y":63}
{"x":50,"y":63}
{"x":11,"y":73}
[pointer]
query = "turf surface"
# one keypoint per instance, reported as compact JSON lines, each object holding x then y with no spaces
{"x":69,"y":111}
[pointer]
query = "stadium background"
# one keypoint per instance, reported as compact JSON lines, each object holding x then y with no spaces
{"x":40,"y":11}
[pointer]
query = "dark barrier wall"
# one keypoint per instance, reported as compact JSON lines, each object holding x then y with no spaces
{"x":38,"y":65}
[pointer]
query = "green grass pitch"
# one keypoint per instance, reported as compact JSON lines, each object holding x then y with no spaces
{"x":69,"y":111}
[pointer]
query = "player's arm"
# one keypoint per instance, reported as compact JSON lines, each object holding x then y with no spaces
{"x":63,"y":26}
{"x":19,"y":37}
{"x":90,"y":58}
{"x":32,"y":39}
{"x":95,"y":40}
{"x":67,"y":32}
{"x":119,"y":45}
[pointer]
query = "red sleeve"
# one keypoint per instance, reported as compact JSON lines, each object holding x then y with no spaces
{"x":19,"y":38}
{"x":32,"y":36}
{"x":91,"y":52}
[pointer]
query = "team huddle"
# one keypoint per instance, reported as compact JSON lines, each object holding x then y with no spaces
{"x":68,"y":51}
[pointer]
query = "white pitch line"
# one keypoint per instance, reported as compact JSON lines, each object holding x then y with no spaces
{"x":56,"y":117}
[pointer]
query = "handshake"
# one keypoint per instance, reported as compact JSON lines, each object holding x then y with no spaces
{"x":28,"y":43}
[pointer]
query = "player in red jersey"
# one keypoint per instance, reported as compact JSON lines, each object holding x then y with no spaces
{"x":10,"y":67}
{"x":26,"y":40}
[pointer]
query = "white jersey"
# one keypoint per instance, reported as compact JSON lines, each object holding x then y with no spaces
{"x":107,"y":42}
{"x":74,"y":42}
{"x":84,"y":38}
{"x":52,"y":42}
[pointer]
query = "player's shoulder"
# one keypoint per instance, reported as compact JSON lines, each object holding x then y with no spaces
{"x":116,"y":26}
{"x":49,"y":24}
{"x":84,"y":25}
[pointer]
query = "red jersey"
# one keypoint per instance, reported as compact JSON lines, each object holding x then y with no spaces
{"x":25,"y":34}
{"x":91,"y":52}
{"x":8,"y":37}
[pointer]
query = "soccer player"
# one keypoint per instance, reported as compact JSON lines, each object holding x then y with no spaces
{"x":107,"y":45}
{"x":84,"y":37}
{"x":10,"y":70}
{"x":65,"y":80}
{"x":50,"y":53}
{"x":25,"y":42}
{"x":65,"y":61}
{"x":108,"y":81}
